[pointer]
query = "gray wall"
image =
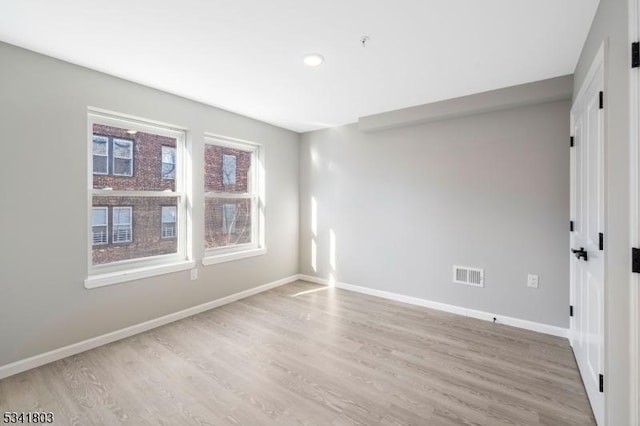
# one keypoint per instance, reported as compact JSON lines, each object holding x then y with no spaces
{"x":43,"y":219}
{"x":489,"y":190}
{"x":610,"y":26}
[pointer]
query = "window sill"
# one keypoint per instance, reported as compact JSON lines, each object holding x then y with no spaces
{"x":101,"y":280}
{"x":228,"y":257}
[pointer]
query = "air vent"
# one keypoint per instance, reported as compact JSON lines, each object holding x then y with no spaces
{"x":469,"y":276}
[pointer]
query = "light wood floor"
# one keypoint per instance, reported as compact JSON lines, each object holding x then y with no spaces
{"x":306,"y":354}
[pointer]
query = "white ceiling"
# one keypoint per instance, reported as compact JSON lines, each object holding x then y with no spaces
{"x":246,"y":55}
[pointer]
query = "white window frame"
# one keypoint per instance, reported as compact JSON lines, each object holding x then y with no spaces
{"x":174,"y":222}
{"x":93,"y":154}
{"x":255,"y":192}
{"x":133,"y":269}
{"x":115,"y":157}
{"x":129,"y":225}
{"x":106,"y":224}
{"x":162,"y":162}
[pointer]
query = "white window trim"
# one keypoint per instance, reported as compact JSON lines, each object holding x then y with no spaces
{"x":256,"y":192}
{"x":100,"y":155}
{"x":110,"y":278}
{"x":130,"y":157}
{"x":133,"y":269}
{"x":228,"y":257}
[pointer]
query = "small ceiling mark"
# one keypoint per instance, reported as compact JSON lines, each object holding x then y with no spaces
{"x":364,"y":40}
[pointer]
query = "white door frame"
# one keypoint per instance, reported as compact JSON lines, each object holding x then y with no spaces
{"x":634,"y":150}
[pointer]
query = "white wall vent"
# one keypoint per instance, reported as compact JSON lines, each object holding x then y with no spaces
{"x":468,"y":276}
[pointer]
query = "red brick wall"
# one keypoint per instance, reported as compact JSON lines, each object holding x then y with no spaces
{"x":213,"y":169}
{"x":147,"y":227}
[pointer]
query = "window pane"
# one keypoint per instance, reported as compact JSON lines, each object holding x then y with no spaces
{"x":99,"y":216}
{"x":122,"y":148}
{"x":135,"y":159}
{"x":100,"y":145}
{"x":122,"y":228}
{"x":168,"y":214}
{"x":100,"y":165}
{"x":100,"y":155}
{"x":134,"y":231}
{"x":226,"y":169}
{"x":227,"y":222}
{"x":122,"y":167}
{"x":168,"y":221}
{"x":168,"y":162}
{"x":100,"y":235}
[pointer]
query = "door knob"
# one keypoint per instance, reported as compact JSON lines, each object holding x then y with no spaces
{"x":580,"y":253}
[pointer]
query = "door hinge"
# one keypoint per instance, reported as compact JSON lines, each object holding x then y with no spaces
{"x":601,"y":241}
{"x":601,"y":106}
{"x":571,"y":142}
{"x":635,"y":260}
{"x":635,"y":55}
{"x":571,"y":225}
{"x":570,"y":310}
{"x":601,"y":383}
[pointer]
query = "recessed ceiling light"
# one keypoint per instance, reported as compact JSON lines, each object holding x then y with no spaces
{"x":313,"y":60}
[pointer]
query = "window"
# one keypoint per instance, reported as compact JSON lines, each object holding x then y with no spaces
{"x":168,"y":217}
{"x":228,"y":169}
{"x":122,"y":157}
{"x":111,"y":150}
{"x":234,"y":200}
{"x":229,"y":218}
{"x":132,"y":200}
{"x":100,"y":155}
{"x":122,"y":225}
{"x":168,"y":162}
{"x":99,"y":225}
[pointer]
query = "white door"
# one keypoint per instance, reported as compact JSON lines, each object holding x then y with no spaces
{"x":587,"y":239}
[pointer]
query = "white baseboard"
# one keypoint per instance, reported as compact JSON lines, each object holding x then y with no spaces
{"x":76,"y":348}
{"x":487,"y":316}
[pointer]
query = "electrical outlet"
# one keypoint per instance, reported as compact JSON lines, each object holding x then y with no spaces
{"x":194,"y":274}
{"x":532,"y":281}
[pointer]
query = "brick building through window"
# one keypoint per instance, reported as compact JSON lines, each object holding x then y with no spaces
{"x":227,"y":220}
{"x":132,"y":227}
{"x":137,"y":226}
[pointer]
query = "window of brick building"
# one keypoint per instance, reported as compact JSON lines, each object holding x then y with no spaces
{"x":122,"y":224}
{"x":168,"y":162}
{"x":122,"y":157}
{"x":229,"y":169}
{"x":234,"y":199}
{"x":168,"y":221}
{"x":229,"y":219}
{"x":132,"y":193}
{"x":99,"y":225}
{"x":100,"y":155}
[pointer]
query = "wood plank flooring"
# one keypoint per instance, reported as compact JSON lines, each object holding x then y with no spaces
{"x":307,"y":354}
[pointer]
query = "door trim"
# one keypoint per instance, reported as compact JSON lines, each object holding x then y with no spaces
{"x":634,"y":187}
